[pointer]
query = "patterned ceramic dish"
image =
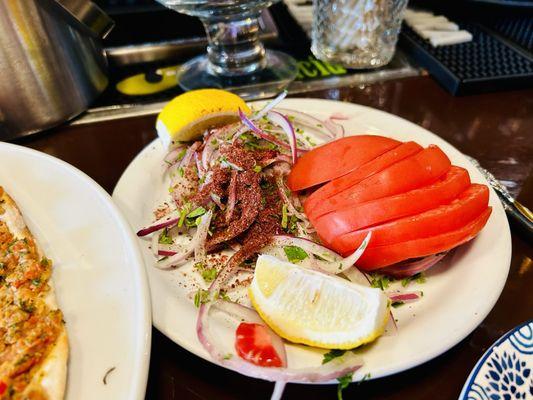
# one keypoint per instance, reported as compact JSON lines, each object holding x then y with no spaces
{"x":505,"y":370}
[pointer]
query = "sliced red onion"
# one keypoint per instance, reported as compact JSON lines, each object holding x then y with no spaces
{"x":200,"y":237}
{"x":259,"y":132}
{"x":334,"y":127}
{"x":279,"y":387}
{"x":172,"y":157}
{"x":187,"y":158}
{"x":283,"y":194}
{"x":208,"y":150}
{"x":391,"y":329}
{"x":216,"y":199}
{"x":310,"y":122}
{"x":166,"y":253}
{"x":166,"y":221}
{"x":261,"y":113}
{"x":407,"y":269}
{"x":405,"y":297}
{"x":232,"y":196}
{"x":194,"y":246}
{"x":335,"y":263}
{"x":199,"y":166}
{"x":283,"y":122}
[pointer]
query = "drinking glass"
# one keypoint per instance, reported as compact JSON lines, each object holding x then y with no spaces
{"x":236,"y":59}
{"x":356,"y":33}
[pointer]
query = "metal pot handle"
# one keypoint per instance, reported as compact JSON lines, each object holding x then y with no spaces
{"x":87,"y":15}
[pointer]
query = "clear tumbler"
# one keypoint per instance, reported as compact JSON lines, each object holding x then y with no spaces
{"x":356,"y":33}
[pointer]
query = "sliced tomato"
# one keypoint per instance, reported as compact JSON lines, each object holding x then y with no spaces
{"x":336,"y":158}
{"x":3,"y":387}
{"x":466,"y":207}
{"x":382,"y":256}
{"x":414,"y":172}
{"x":364,"y":171}
{"x":374,"y":212}
{"x":254,"y":344}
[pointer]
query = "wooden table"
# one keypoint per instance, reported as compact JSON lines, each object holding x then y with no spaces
{"x":497,"y":129}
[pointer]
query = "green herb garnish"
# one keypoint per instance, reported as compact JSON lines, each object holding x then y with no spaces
{"x":397,"y":304}
{"x":197,"y":212}
{"x":284,"y":216}
{"x":344,"y":381}
{"x":330,"y":355}
{"x":164,"y":238}
{"x":295,"y":254}
{"x":380,"y":281}
{"x":201,"y":297}
{"x":257,"y":168}
{"x":418,"y":278}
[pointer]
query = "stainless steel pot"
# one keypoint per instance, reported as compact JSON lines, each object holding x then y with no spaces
{"x":52,"y":64}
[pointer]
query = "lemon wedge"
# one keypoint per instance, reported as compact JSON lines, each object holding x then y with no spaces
{"x":188,"y":115}
{"x":305,"y":306}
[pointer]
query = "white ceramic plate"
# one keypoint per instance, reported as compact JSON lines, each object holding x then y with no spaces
{"x":458,"y":294}
{"x":98,"y":272}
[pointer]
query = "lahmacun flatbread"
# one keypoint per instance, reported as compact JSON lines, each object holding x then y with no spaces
{"x":34,"y":344}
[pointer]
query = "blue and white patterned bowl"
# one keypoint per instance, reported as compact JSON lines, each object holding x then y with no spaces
{"x":505,"y":372}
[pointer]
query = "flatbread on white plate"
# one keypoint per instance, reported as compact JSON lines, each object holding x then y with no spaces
{"x":34,"y":345}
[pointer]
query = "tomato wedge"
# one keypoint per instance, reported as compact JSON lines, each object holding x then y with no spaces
{"x":336,"y":158}
{"x":466,"y":207}
{"x":411,"y":173}
{"x":349,"y":219}
{"x":382,"y":256}
{"x":254,"y":344}
{"x":364,"y":171}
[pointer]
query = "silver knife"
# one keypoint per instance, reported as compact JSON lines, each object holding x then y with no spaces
{"x":517,"y":211}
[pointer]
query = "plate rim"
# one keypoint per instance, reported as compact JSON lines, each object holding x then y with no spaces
{"x":479,"y":364}
{"x":140,"y":378}
{"x":419,"y":360}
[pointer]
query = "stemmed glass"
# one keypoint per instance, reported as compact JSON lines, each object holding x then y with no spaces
{"x":236,"y":59}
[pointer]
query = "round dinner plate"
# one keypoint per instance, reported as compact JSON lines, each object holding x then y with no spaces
{"x":458,"y":293}
{"x":98,"y":273}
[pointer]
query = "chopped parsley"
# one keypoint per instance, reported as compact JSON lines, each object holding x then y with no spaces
{"x":208,"y":274}
{"x":380,"y":281}
{"x":223,"y":295}
{"x":164,"y":238}
{"x":181,"y":154}
{"x":181,"y":172}
{"x":36,"y":281}
{"x":344,"y":381}
{"x":197,"y":212}
{"x":330,"y":355}
{"x":295,"y":254}
{"x":201,"y":297}
{"x":228,"y":356}
{"x":397,"y":304}
{"x":257,"y":168}
{"x":418,"y":278}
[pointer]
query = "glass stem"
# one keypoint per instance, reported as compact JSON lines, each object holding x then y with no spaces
{"x":234,"y":47}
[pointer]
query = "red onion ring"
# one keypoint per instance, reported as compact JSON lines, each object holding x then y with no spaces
{"x":200,"y":237}
{"x":166,"y":221}
{"x":232,"y":196}
{"x":283,"y":122}
{"x":194,"y":246}
{"x":407,"y":269}
{"x":337,"y":263}
{"x":405,"y":297}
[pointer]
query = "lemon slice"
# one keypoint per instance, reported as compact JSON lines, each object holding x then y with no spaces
{"x":188,"y":115}
{"x":305,"y":306}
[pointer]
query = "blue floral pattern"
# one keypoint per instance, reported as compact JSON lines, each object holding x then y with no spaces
{"x":505,"y":370}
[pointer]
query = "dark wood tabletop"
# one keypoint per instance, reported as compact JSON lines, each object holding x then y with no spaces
{"x":497,"y":129}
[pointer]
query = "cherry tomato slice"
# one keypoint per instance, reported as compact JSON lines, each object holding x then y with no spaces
{"x":364,"y":171}
{"x":414,"y":172}
{"x":336,"y":158}
{"x":254,"y":344}
{"x":382,"y":256}
{"x":374,"y":212}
